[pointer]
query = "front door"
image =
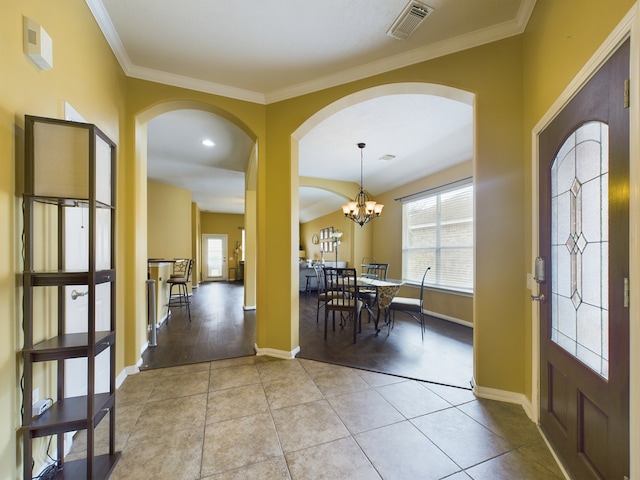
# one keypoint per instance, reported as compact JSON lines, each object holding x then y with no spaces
{"x":584,"y":240}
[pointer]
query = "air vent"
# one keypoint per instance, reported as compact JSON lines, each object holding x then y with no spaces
{"x":410,"y":18}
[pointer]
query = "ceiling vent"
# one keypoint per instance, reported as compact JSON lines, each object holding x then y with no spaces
{"x":410,"y":18}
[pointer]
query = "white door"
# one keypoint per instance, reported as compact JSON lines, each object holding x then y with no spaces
{"x":77,"y":300}
{"x":214,"y":257}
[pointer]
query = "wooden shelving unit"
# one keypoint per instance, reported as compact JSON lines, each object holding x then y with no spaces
{"x":69,"y":169}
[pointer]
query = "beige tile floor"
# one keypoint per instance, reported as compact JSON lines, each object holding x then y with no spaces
{"x":261,"y":418}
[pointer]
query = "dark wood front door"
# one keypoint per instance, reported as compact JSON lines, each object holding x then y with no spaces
{"x":584,"y":241}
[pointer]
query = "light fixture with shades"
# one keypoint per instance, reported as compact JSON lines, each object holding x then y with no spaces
{"x":362,"y":210}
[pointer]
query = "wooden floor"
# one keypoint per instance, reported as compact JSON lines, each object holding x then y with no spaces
{"x":220,"y":328}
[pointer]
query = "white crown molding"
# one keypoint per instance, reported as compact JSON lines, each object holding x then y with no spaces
{"x":182,"y":81}
{"x":110,"y":33}
{"x":447,"y":47}
{"x":412,"y":57}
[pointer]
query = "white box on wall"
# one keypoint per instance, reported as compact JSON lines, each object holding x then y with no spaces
{"x":38,"y":45}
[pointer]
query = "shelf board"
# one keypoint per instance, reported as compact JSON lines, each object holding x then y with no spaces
{"x":60,"y":278}
{"x":70,"y":414}
{"x":67,"y":201}
{"x":71,"y":345}
{"x":103,"y":466}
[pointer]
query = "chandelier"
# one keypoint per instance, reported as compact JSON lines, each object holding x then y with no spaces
{"x":362,"y":210}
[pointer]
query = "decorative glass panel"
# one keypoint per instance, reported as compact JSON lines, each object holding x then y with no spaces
{"x":580,"y":248}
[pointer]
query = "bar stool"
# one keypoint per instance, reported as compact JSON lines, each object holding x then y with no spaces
{"x":180,"y":299}
{"x":307,"y":288}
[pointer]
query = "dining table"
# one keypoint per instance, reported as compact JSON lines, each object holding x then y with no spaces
{"x":385,"y":290}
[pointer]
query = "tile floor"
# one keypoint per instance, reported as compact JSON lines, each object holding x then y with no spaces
{"x":262,"y":418}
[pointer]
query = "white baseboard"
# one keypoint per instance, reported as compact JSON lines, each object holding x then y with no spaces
{"x":505,"y":396}
{"x":276,"y":353}
{"x":449,"y":319}
{"x":126,"y":371}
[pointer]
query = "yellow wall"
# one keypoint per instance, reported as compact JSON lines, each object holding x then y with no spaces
{"x":169,"y":233}
{"x":514,"y":80}
{"x":85,"y":74}
{"x":227,"y":224}
{"x":338,"y":222}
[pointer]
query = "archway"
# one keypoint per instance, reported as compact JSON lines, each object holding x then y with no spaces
{"x":347,"y":189}
{"x":137,"y":330}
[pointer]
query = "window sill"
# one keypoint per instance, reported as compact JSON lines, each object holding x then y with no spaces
{"x":433,"y":288}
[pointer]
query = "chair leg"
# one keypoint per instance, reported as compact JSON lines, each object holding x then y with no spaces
{"x":326,"y":319}
{"x":186,"y":297}
{"x":357,"y":322}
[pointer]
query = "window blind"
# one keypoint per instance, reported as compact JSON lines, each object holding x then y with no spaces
{"x":438,"y":233}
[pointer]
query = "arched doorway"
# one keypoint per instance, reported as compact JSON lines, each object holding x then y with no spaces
{"x":433,"y":166}
{"x":248,"y":185}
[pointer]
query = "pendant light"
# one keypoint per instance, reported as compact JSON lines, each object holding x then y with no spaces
{"x":362,"y":209}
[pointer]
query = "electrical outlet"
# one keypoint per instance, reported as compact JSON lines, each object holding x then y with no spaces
{"x":35,"y":395}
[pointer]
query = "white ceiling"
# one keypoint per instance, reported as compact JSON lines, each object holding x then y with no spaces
{"x":265,"y":51}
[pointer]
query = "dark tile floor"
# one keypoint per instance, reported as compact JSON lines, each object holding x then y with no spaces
{"x":221,"y":329}
{"x":444,"y":356}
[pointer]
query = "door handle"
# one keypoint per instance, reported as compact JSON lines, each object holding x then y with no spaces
{"x":75,"y":294}
{"x":538,"y":298}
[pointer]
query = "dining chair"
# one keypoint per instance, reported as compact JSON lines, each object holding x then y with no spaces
{"x":322,"y":294}
{"x":376,"y":271}
{"x":181,"y":298}
{"x":365,"y":265}
{"x":410,"y":306}
{"x":342,"y":297}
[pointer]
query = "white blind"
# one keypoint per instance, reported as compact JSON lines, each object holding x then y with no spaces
{"x":438,"y":233}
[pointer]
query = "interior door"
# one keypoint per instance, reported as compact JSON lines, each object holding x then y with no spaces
{"x":214,"y":260}
{"x":77,"y":300}
{"x":584,"y":240}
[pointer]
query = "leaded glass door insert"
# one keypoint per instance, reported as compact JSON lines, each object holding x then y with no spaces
{"x":580,"y":249}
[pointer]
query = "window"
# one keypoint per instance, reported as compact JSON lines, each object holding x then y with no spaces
{"x":437,"y":232}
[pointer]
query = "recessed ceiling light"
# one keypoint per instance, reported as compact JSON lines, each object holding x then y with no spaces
{"x":207,"y":143}
{"x":387,"y":157}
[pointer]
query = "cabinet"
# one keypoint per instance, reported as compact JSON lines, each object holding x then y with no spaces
{"x":159,"y":272}
{"x":69,"y":291}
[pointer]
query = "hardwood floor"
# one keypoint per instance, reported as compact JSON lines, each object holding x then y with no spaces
{"x":220,"y":329}
{"x":445,"y":356}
